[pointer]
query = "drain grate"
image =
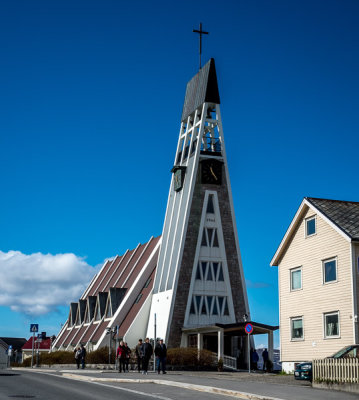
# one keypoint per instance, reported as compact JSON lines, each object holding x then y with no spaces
{"x":2,"y":374}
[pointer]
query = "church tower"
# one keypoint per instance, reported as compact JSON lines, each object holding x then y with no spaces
{"x":199,"y":279}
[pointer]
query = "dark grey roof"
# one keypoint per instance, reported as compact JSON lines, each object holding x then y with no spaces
{"x":202,"y":88}
{"x":16,"y":343}
{"x":344,"y":214}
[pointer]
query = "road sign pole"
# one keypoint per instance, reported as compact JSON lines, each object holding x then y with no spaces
{"x":32,"y":349}
{"x":249,"y":354}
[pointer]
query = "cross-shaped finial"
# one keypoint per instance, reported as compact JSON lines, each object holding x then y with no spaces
{"x":200,"y":41}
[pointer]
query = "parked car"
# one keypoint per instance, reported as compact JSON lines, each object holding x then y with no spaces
{"x":351,"y":351}
{"x":304,"y":370}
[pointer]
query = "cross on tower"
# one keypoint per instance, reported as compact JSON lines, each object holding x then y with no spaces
{"x":200,"y":41}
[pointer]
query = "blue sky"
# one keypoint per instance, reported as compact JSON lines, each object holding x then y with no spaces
{"x":91,"y":95}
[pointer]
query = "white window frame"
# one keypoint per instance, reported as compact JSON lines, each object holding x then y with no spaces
{"x":306,"y":226}
{"x":294,"y":339}
{"x":291,"y":280}
{"x":336,"y":270}
{"x":324,"y":325}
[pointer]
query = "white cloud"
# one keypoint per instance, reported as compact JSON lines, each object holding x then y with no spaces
{"x":37,"y":284}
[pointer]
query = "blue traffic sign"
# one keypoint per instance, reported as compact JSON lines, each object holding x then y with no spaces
{"x":10,"y":347}
{"x":34,"y":328}
{"x":248,"y":328}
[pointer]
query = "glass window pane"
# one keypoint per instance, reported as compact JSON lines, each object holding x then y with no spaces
{"x":210,"y":208}
{"x":198,"y":302}
{"x":215,"y":309}
{"x":204,"y":267}
{"x":209,"y":302}
{"x":310,"y":226}
{"x":297,"y":328}
{"x":226,"y":310}
{"x":332,"y":325}
{"x":330,"y":271}
{"x":220,"y":274}
{"x":215,"y":269}
{"x":192,"y":309}
{"x":215,"y":239}
{"x":204,"y":308}
{"x":204,"y":238}
{"x":296,"y":279}
{"x":209,"y":273}
{"x":220,"y":304}
{"x":198,"y":273}
{"x":210,"y":234}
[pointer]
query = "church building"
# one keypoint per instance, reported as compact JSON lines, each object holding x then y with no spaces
{"x":186,"y":286}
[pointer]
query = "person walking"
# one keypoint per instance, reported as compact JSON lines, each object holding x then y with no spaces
{"x":147,"y":351}
{"x":83,"y":356}
{"x":139,"y":354}
{"x":78,"y":357}
{"x":255,"y":359}
{"x":121,"y":356}
{"x":127,"y":355}
{"x":265,"y":359}
{"x":161,"y":354}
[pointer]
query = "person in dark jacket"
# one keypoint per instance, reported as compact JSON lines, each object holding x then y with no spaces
{"x":78,"y":357}
{"x":147,"y":351}
{"x":139,"y":354}
{"x":127,"y":355}
{"x":161,"y":354}
{"x":83,"y":356}
{"x":265,"y":359}
{"x":121,"y":356}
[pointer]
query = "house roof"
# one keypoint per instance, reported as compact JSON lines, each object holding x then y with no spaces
{"x":16,"y":343}
{"x":45,"y":344}
{"x":343,"y":216}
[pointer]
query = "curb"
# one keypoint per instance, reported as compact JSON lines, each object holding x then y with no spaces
{"x":200,"y":388}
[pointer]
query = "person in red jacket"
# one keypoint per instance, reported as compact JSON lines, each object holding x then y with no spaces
{"x":121,"y":355}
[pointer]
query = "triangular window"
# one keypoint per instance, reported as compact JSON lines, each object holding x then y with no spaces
{"x":210,"y":208}
{"x":109,"y":310}
{"x":204,"y":267}
{"x":204,"y":238}
{"x":209,"y":302}
{"x":87,"y":315}
{"x":198,"y":273}
{"x":220,"y":274}
{"x":220,"y":303}
{"x":198,"y":302}
{"x":210,"y":234}
{"x":204,"y":308}
{"x":215,"y":239}
{"x":226,"y":310}
{"x":215,"y":308}
{"x":98,"y":314}
{"x":192,"y":309}
{"x":209,"y":273}
{"x":215,"y":269}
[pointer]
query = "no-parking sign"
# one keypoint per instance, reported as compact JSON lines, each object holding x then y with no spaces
{"x":248,"y":328}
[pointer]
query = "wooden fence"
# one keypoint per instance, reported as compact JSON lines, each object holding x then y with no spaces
{"x":341,"y":370}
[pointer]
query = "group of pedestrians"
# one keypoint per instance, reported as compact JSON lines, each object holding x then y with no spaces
{"x":255,"y":359}
{"x":80,"y":356}
{"x":144,"y":351}
{"x":123,"y":355}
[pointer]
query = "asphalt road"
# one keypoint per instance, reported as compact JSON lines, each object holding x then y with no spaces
{"x":49,"y":386}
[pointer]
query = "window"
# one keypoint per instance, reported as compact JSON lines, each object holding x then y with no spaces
{"x":330,"y":270}
{"x":210,"y":208}
{"x":310,"y":226}
{"x":138,"y":298}
{"x":297,"y":328}
{"x":331,"y":325}
{"x":296,"y":279}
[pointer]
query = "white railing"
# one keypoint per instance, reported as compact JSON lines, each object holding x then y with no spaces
{"x":342,"y":370}
{"x":230,"y":362}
